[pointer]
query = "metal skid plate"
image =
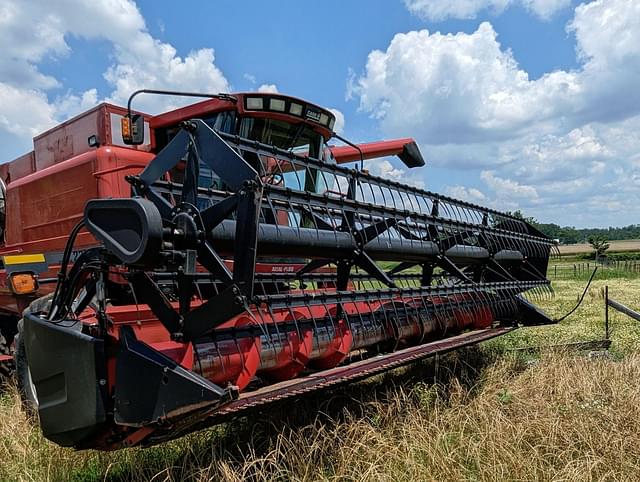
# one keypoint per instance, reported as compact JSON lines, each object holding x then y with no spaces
{"x":152,"y":388}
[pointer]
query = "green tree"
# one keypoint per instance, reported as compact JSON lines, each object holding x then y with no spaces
{"x":599,"y":245}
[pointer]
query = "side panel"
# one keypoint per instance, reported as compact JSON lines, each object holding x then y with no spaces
{"x":52,"y":202}
{"x":67,"y":140}
{"x":43,"y":207}
{"x":47,"y":204}
{"x":21,"y":167}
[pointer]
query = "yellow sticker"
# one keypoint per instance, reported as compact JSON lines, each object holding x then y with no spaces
{"x":24,"y":259}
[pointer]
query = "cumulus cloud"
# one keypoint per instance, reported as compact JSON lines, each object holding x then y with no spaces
{"x":545,"y":9}
{"x":508,"y":187}
{"x":469,"y":194}
{"x":338,"y":127}
{"x":470,"y":105}
{"x":394,"y":170}
{"x":458,"y":89}
{"x":161,"y":68}
{"x":437,"y":10}
{"x":268,"y":89}
{"x":24,"y":112}
{"x":34,"y":30}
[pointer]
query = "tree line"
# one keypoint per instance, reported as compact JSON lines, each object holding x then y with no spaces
{"x":572,"y":235}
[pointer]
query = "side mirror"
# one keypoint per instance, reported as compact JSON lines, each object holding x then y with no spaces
{"x":132,"y":126}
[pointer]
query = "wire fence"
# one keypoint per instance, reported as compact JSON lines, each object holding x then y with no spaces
{"x":607,"y":268}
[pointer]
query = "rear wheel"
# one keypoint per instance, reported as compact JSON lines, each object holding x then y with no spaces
{"x":22,"y":371}
{"x":23,"y":374}
{"x":7,"y":368}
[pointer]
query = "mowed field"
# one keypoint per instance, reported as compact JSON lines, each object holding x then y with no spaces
{"x":616,"y":246}
{"x":491,"y":412}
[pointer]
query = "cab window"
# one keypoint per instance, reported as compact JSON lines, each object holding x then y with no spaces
{"x":298,"y":138}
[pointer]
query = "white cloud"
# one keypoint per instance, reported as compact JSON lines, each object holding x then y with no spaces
{"x":268,"y":89}
{"x":545,"y":9}
{"x":469,"y":194}
{"x":458,"y":89}
{"x":437,"y":10}
{"x":31,"y":31}
{"x":392,"y":169}
{"x":24,"y":112}
{"x":70,"y":104}
{"x":338,"y":127}
{"x":471,"y":106}
{"x":161,"y":68}
{"x":249,"y":78}
{"x":507,"y":187}
{"x":541,"y":158}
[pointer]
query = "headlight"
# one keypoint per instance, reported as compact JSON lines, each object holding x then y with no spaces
{"x":255,"y":103}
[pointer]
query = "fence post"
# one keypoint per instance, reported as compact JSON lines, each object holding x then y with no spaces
{"x":575,"y":271}
{"x":606,"y":312}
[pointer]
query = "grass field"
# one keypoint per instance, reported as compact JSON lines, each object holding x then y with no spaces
{"x":485,"y":413}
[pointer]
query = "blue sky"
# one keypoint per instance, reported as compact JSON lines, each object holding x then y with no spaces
{"x":517,"y":104}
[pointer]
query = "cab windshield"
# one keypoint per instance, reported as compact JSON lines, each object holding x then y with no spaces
{"x":298,"y":138}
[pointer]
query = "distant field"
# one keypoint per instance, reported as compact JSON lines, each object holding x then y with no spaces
{"x":624,"y":245}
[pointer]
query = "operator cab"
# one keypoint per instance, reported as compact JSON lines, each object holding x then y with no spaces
{"x":274,"y":119}
{"x":285,"y":122}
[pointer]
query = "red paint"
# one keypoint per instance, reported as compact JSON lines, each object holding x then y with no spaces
{"x":370,"y":150}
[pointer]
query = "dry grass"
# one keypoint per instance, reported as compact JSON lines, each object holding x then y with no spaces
{"x":566,"y":419}
{"x":615,"y":246}
{"x":491,"y":415}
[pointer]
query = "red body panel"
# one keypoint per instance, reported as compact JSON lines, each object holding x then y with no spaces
{"x":43,"y":207}
{"x":370,"y":150}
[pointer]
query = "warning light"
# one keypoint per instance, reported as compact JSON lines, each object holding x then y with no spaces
{"x":23,"y":283}
{"x":125,"y":126}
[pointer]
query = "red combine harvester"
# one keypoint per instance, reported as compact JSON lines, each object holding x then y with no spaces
{"x":206,"y":262}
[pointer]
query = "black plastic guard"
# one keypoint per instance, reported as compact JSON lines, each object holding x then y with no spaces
{"x":411,"y":155}
{"x":530,"y":315}
{"x":130,"y":228}
{"x":152,"y":388}
{"x":67,"y":369}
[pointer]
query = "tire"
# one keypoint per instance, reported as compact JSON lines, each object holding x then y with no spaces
{"x":7,"y":369}
{"x":23,"y":375}
{"x":22,"y":372}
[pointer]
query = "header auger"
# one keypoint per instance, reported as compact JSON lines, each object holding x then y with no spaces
{"x":241,"y":272}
